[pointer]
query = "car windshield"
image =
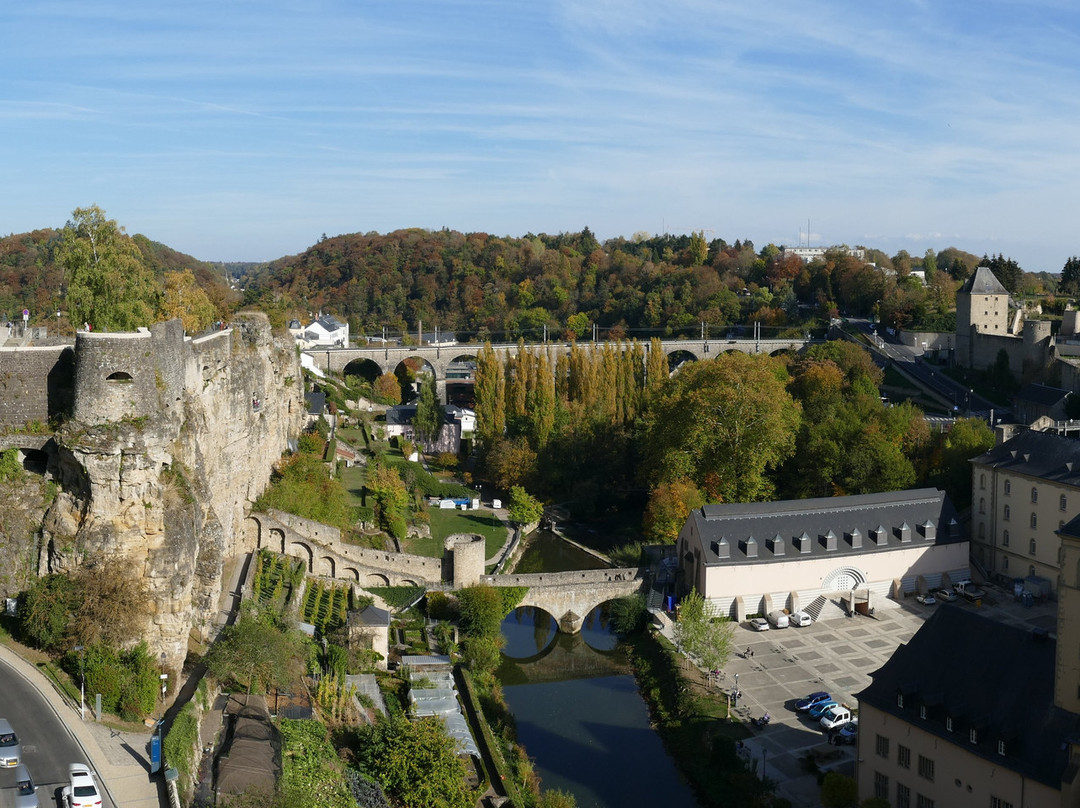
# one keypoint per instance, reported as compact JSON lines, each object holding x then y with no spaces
{"x":25,"y":787}
{"x":8,"y":739}
{"x":84,"y":791}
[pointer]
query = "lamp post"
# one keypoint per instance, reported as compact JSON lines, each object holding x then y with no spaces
{"x":736,"y":690}
{"x":79,"y":649}
{"x":164,"y":683}
{"x":58,"y":321}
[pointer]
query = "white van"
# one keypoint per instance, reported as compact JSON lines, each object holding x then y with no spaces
{"x":835,"y":717}
{"x":800,"y":619}
{"x":778,"y":619}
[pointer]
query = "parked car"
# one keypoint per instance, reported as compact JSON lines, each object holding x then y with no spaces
{"x":800,"y":619}
{"x":82,"y":791}
{"x":778,"y":619}
{"x":946,"y":595}
{"x":835,"y":717}
{"x":848,"y":733}
{"x":802,"y":705}
{"x":759,"y":624}
{"x":10,"y":748}
{"x":819,"y":709}
{"x":25,"y":790}
{"x":925,"y":598}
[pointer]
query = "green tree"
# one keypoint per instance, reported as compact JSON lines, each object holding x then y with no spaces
{"x":45,"y":609}
{"x":481,"y":609}
{"x":108,"y":285}
{"x":415,"y":762}
{"x":429,"y":413}
{"x":949,"y":467}
{"x":669,"y":505}
{"x":839,"y":791}
{"x":525,"y":509}
{"x":723,"y":425}
{"x":1070,"y":276}
{"x":490,"y":393}
{"x":700,"y":634}
{"x":391,"y":498}
{"x":256,"y":651}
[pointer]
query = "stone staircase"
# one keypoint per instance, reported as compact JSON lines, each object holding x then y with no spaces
{"x":823,"y":608}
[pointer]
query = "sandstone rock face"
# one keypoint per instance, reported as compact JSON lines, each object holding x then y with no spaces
{"x":170,"y":441}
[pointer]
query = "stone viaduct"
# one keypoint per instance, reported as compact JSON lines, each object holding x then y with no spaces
{"x":439,"y":358}
{"x":567,"y":596}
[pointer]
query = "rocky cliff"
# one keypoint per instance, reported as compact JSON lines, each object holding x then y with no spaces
{"x":171,"y":438}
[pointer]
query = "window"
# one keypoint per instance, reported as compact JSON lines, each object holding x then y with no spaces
{"x":1008,"y":513}
{"x":1062,"y":503}
{"x":923,"y":802}
{"x":1001,"y":747}
{"x":997,"y":802}
{"x":982,"y":504}
{"x":926,"y":768}
{"x":922,"y":711}
{"x":903,"y":756}
{"x":1034,"y":520}
{"x":899,"y":699}
{"x":982,"y":481}
{"x":1031,"y":569}
{"x":1034,"y":494}
{"x":1005,"y":539}
{"x":882,"y":746}
{"x":1031,"y":548}
{"x":881,"y":785}
{"x":1008,"y":487}
{"x":1004,"y":563}
{"x":903,"y":796}
{"x":973,"y":735}
{"x":948,"y":723}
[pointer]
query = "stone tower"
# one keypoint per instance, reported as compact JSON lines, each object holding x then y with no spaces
{"x":982,"y":307}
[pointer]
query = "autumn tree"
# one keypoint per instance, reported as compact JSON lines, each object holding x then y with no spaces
{"x":185,"y":299}
{"x":511,"y":461}
{"x":108,"y":285}
{"x":388,"y":389}
{"x":669,"y":505}
{"x":723,"y":425}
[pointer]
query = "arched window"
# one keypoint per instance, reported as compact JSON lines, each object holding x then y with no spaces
{"x":1007,"y":513}
{"x":1005,"y":539}
{"x":982,"y":481}
{"x":1031,"y":548}
{"x":1062,"y":503}
{"x":982,"y":504}
{"x":1034,"y":520}
{"x":1008,"y":487}
{"x":1034,"y":494}
{"x":119,"y":377}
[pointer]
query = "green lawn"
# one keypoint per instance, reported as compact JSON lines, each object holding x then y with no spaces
{"x":446,"y":522}
{"x":353,"y":480}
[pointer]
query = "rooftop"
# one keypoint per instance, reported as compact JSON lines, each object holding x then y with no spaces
{"x":1037,"y":454}
{"x":983,"y":282}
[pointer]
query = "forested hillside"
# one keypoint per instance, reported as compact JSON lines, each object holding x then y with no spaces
{"x":486,"y":287}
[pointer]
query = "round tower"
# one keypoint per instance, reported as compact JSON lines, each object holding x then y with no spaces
{"x":469,"y":557}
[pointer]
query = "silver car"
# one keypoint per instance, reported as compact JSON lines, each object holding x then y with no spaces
{"x":25,"y":790}
{"x":10,"y":748}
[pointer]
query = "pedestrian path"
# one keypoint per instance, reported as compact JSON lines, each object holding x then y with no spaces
{"x":120,"y":759}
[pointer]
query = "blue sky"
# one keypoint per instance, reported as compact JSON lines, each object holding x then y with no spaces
{"x":239,"y":130}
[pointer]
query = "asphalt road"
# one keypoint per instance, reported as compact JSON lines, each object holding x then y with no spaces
{"x":47,"y":746}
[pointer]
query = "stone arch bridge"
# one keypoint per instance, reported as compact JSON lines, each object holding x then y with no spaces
{"x":439,"y":357}
{"x":570,"y":596}
{"x":567,"y":596}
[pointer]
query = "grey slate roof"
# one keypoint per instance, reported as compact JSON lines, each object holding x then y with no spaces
{"x":983,"y":282}
{"x":330,"y":322}
{"x":1037,"y":454}
{"x":986,"y":675}
{"x":1041,"y":394}
{"x":316,"y":403}
{"x":791,"y":530}
{"x":372,"y":616}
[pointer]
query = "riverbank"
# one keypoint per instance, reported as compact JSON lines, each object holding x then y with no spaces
{"x":691,"y":718}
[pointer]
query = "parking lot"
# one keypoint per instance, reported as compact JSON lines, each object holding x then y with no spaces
{"x":837,"y":655}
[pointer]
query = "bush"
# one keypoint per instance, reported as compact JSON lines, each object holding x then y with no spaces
{"x":126,"y":680}
{"x":180,"y":744}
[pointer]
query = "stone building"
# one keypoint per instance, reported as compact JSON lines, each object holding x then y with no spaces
{"x":1023,"y":491}
{"x":753,"y":558}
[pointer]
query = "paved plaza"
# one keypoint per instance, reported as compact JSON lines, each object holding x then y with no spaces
{"x":838,"y":656}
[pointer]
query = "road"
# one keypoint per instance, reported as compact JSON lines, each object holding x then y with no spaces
{"x":47,"y":745}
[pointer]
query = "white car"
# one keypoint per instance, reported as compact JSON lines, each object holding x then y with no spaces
{"x":82,"y":792}
{"x":759,"y":624}
{"x":946,"y":595}
{"x":800,"y":619}
{"x":925,"y":598}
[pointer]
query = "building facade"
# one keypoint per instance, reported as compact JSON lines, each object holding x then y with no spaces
{"x":754,"y":558}
{"x":1024,"y":490}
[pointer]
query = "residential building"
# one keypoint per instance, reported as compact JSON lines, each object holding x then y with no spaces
{"x":808,"y":254}
{"x":964,"y":715}
{"x":1023,"y":491}
{"x":1035,"y":401}
{"x":753,"y":558}
{"x":327,"y":332}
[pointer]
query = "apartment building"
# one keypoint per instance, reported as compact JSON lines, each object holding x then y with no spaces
{"x":1023,"y":491}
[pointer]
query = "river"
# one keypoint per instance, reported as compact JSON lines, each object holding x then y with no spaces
{"x":578,"y":713}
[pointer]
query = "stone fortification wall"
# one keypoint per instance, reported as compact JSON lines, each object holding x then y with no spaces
{"x":35,"y":384}
{"x":159,"y":464}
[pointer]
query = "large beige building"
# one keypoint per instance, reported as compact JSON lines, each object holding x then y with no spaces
{"x":1023,"y":491}
{"x":812,"y":554}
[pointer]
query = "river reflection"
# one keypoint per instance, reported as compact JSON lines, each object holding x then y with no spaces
{"x":580,"y":717}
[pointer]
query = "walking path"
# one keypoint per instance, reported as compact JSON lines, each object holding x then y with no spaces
{"x":121,"y":759}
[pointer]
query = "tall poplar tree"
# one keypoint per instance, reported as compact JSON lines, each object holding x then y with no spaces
{"x":656,"y":368}
{"x":429,"y":416}
{"x":490,"y":399}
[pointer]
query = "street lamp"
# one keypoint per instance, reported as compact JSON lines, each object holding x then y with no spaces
{"x":58,"y":321}
{"x":82,"y":682}
{"x":164,"y":683}
{"x":736,"y":690}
